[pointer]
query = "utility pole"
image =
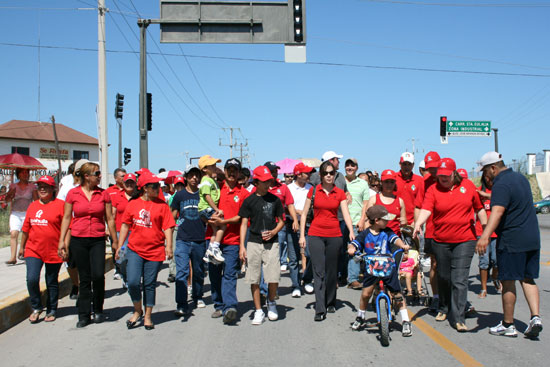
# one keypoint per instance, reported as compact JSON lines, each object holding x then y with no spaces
{"x":242,"y":157}
{"x":58,"y":176}
{"x":102,"y":95}
{"x":496,"y":139}
{"x":231,"y":142}
{"x":143,"y":142}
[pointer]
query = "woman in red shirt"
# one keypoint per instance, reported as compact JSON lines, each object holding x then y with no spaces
{"x":87,"y":208}
{"x":388,"y":199}
{"x":39,"y":246}
{"x":325,"y":237}
{"x":451,"y":203}
{"x":151,"y":224}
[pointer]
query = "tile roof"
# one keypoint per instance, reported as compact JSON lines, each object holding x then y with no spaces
{"x":36,"y":130}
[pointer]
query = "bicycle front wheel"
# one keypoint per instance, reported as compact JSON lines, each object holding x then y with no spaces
{"x":384,"y":322}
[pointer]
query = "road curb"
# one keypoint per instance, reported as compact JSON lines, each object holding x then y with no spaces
{"x":16,"y":308}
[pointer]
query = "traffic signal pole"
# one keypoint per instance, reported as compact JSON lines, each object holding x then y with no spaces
{"x":143,"y":143}
{"x":102,"y":95}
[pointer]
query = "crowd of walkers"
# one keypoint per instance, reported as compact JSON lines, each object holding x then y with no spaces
{"x":234,"y":221}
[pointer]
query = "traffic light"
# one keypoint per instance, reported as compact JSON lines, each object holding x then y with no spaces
{"x":127,"y":155}
{"x":443,"y":126}
{"x":298,"y":16}
{"x":149,"y":111}
{"x":119,"y":106}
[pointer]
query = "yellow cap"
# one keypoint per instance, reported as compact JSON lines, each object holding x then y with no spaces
{"x":208,"y":160}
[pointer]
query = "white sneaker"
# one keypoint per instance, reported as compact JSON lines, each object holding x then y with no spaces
{"x":296,"y":293}
{"x":117,"y":276}
{"x":190,"y":291}
{"x":284,"y":267}
{"x":309,"y":288}
{"x":259,"y":317}
{"x":272,"y":314}
{"x":505,"y":331}
{"x":216,"y":253}
{"x":201,"y":304}
{"x":534,"y":328}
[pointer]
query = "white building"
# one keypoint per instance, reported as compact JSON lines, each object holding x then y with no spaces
{"x":36,"y":139}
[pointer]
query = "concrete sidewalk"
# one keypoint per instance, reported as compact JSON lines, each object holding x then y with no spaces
{"x":14,"y":297}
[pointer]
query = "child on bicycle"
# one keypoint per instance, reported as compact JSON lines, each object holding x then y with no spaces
{"x":377,"y":239}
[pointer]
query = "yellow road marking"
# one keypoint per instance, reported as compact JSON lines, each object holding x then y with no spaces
{"x":454,"y":350}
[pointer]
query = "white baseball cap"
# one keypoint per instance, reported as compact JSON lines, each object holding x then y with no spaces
{"x":331,"y":154}
{"x":487,"y":159}
{"x":422,"y":164}
{"x":407,"y":157}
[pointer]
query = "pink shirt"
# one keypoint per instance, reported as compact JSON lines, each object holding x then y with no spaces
{"x":88,"y":215}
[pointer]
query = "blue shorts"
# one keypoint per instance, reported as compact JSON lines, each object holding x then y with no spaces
{"x":206,"y":214}
{"x":489,"y":258}
{"x":391,"y":282}
{"x":518,"y":265}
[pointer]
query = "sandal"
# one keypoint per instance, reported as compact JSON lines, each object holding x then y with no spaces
{"x":11,"y":262}
{"x":482,"y":294}
{"x":50,"y":317}
{"x":498,"y":285}
{"x":35,"y":316}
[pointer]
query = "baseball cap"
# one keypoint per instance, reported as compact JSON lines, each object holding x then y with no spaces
{"x":388,"y":175}
{"x":488,"y":158}
{"x":129,"y":176}
{"x":179,"y":179}
{"x":272,"y":166}
{"x":422,"y":164}
{"x":446,"y":167}
{"x":302,"y":168}
{"x":192,"y":169}
{"x":232,"y":162}
{"x":431,"y":160}
{"x":262,"y":173}
{"x":379,"y":212}
{"x":208,"y":160}
{"x":352,"y":161}
{"x":407,"y":157}
{"x":79,"y":165}
{"x":143,"y":170}
{"x":462,"y":172}
{"x":147,"y":178}
{"x":329,"y":155}
{"x":245,"y":171}
{"x":48,"y":180}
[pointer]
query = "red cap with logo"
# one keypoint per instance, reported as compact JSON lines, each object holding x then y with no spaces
{"x":262,"y":173}
{"x":388,"y":174}
{"x":462,"y":172}
{"x":446,"y":167}
{"x":147,"y":178}
{"x":302,"y":168}
{"x":48,"y":180}
{"x":179,"y":179}
{"x":129,"y":176}
{"x":431,"y":160}
{"x":142,"y":171}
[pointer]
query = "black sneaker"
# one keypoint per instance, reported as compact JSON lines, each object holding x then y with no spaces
{"x":230,"y":316}
{"x":358,"y":324}
{"x":171,"y":278}
{"x":83,"y":323}
{"x":74,"y":293}
{"x":99,"y":317}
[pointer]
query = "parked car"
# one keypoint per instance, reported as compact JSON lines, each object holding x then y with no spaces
{"x":543,"y":206}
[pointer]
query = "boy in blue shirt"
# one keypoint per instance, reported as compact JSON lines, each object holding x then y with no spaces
{"x":377,"y":239}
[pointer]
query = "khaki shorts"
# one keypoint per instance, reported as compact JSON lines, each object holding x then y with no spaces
{"x":266,"y":255}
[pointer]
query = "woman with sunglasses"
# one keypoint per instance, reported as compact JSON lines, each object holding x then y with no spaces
{"x":39,"y":246}
{"x":87,"y":208}
{"x":151,"y":225}
{"x":325,"y":238}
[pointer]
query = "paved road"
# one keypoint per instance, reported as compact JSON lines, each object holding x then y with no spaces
{"x":292,"y":340}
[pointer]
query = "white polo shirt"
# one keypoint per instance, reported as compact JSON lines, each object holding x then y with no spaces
{"x":299,"y":194}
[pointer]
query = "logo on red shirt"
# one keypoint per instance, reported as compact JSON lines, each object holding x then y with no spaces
{"x":37,"y":221}
{"x":463,"y":190}
{"x":144,"y":219}
{"x":39,"y":213}
{"x":413,"y":187}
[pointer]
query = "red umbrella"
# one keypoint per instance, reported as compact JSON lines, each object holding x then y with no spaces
{"x":16,"y":160}
{"x":168,"y":176}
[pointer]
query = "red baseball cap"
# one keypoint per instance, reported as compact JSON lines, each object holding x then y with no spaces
{"x":142,"y":171}
{"x":48,"y":180}
{"x":129,"y":176}
{"x":446,"y":167}
{"x":302,"y":168}
{"x":147,"y":178}
{"x":179,"y":179}
{"x":431,"y":160}
{"x":388,"y":175}
{"x":462,"y":172}
{"x":262,"y":173}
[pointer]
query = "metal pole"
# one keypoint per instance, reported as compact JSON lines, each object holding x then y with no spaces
{"x":102,"y":95}
{"x":57,"y":150}
{"x":143,"y":144}
{"x":231,"y":143}
{"x":119,"y":143}
{"x":496,"y":139}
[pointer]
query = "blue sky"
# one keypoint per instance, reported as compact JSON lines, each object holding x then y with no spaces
{"x":294,"y":110}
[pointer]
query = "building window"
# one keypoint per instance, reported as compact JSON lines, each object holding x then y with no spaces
{"x":20,"y":150}
{"x":80,"y":154}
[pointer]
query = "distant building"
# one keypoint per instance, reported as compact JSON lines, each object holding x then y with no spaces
{"x":36,"y":139}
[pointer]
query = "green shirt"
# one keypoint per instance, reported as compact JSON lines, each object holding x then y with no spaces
{"x":208,"y":186}
{"x":359,"y":190}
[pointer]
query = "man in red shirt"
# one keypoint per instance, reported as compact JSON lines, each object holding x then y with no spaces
{"x":223,"y":277}
{"x":408,"y":185}
{"x":118,"y":187}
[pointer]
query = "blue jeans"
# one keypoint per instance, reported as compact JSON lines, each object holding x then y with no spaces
{"x":354,"y":268}
{"x":34,"y":266}
{"x":283,"y":235}
{"x":136,"y":268}
{"x":185,"y":251}
{"x":489,"y":258}
{"x":343,"y":254}
{"x":223,"y":279}
{"x":293,"y":256}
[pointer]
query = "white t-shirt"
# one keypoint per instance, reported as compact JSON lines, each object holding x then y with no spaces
{"x":65,"y":185}
{"x":299,"y":194}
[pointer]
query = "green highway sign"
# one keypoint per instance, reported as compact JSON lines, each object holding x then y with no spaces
{"x":468,"y":128}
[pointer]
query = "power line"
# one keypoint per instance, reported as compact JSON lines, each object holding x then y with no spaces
{"x":404,"y":68}
{"x":463,"y":5}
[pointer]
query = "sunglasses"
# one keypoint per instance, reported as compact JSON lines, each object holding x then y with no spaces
{"x":153,"y":186}
{"x":289,"y":176}
{"x":327,"y":173}
{"x":96,"y":173}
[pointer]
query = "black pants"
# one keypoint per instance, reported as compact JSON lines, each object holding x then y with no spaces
{"x":324,"y":253}
{"x":89,"y":256}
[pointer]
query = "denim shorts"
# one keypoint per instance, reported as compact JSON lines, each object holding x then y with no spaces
{"x":489,"y":258}
{"x":518,"y":265}
{"x":206,"y":214}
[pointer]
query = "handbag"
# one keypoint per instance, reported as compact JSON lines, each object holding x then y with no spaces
{"x":310,"y":213}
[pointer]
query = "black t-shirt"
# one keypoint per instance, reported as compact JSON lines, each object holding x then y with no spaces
{"x":190,"y":226}
{"x":262,"y":212}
